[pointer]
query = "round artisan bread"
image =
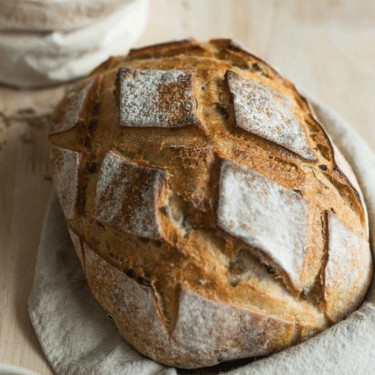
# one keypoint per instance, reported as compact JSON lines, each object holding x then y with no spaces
{"x":212,"y":214}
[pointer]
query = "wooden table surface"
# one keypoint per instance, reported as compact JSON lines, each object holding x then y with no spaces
{"x":327,"y":48}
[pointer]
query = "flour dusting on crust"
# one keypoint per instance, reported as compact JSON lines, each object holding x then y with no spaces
{"x":66,"y":175}
{"x":348,"y":271}
{"x":197,"y":330}
{"x":251,"y":206}
{"x":74,"y":107}
{"x":122,"y":296}
{"x":266,"y":113}
{"x":205,"y":327}
{"x":128,"y":195}
{"x":156,"y":98}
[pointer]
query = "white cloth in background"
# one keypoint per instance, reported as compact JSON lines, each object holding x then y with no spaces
{"x":78,"y":338}
{"x":52,"y":15}
{"x":34,"y":58}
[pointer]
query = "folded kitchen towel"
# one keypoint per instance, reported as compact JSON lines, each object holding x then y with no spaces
{"x":78,"y":338}
{"x":33,"y":58}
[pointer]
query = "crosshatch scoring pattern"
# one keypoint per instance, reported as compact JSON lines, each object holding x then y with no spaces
{"x":175,"y":161}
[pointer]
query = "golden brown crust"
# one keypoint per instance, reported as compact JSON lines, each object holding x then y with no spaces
{"x":185,"y":46}
{"x":196,"y":339}
{"x":189,"y":198}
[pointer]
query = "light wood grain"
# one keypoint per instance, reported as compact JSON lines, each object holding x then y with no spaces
{"x":24,"y":190}
{"x":326,"y":47}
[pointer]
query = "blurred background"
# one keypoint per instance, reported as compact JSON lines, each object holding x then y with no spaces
{"x":327,"y":48}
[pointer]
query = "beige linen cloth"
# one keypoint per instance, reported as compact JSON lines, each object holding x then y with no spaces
{"x":79,"y":339}
{"x":71,"y":46}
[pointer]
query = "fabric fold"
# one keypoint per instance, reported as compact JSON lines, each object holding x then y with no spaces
{"x":78,"y":338}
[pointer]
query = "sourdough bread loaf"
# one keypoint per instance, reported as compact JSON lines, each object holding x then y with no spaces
{"x":213,"y":216}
